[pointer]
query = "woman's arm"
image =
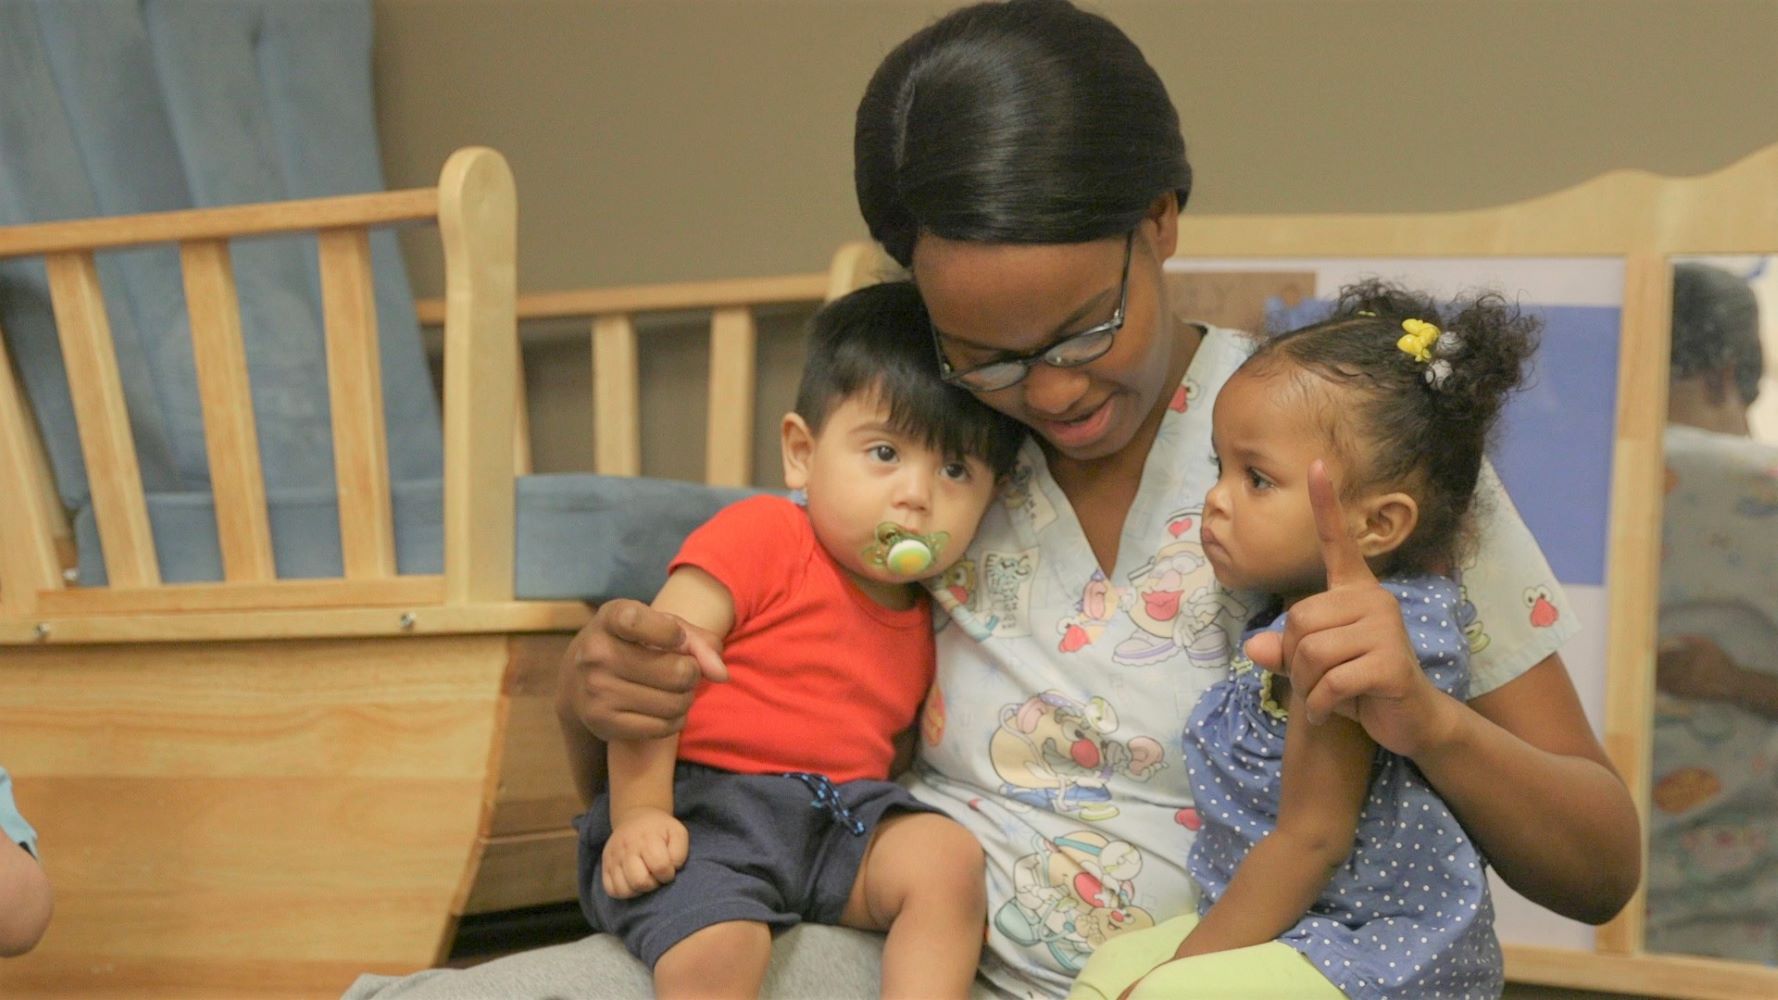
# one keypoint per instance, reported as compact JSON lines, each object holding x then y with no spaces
{"x":1694,"y":666}
{"x":1327,"y":771}
{"x":1523,"y":772}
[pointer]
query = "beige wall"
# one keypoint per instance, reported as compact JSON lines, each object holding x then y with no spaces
{"x":667,"y":139}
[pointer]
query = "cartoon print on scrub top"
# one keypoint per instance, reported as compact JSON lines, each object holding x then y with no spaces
{"x":1542,"y":609}
{"x":992,"y":597}
{"x":1017,"y":494}
{"x":1072,"y":895}
{"x":1095,"y":609}
{"x":1174,"y":602}
{"x":1054,"y":753}
{"x":932,"y":716}
{"x":1470,"y":620}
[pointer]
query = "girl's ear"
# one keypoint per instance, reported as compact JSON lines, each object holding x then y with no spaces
{"x":797,"y":443}
{"x":1389,"y":519}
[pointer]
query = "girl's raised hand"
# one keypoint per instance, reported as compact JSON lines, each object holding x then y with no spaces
{"x":1346,"y":647}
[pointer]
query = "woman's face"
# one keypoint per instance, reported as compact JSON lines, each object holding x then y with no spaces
{"x":991,"y":301}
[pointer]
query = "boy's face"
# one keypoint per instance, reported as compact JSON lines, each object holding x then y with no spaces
{"x":1259,"y":529}
{"x":861,"y":473}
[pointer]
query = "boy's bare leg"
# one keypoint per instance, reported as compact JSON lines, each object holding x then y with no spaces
{"x":922,"y":879}
{"x":722,"y":960}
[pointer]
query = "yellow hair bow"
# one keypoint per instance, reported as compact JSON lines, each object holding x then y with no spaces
{"x":1418,"y":339}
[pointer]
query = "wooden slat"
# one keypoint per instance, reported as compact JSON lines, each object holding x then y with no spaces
{"x":28,"y":559}
{"x":231,"y":441}
{"x":617,"y":400}
{"x":1666,"y":976}
{"x":301,"y":623}
{"x":355,"y":388}
{"x":235,"y":221}
{"x":661,"y":297}
{"x":401,"y":591}
{"x":1634,"y":558}
{"x":728,"y":442}
{"x":113,"y":474}
{"x":521,"y":417}
{"x":477,"y":219}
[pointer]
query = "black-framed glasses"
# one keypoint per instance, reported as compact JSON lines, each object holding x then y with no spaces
{"x":1085,"y":347}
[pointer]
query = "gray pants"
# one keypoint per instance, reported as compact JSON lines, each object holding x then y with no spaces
{"x":809,"y":962}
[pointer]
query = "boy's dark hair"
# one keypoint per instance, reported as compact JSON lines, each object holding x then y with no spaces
{"x":878,"y":340}
{"x":1397,"y":429}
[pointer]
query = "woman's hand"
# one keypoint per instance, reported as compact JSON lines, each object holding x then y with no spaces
{"x":1694,"y":666}
{"x":630,"y":673}
{"x":1346,"y":648}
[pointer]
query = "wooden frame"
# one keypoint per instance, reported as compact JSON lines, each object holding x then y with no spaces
{"x":264,"y":786}
{"x":1643,"y":220}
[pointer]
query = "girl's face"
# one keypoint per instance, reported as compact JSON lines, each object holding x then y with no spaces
{"x":993,"y":301}
{"x":1259,"y":528}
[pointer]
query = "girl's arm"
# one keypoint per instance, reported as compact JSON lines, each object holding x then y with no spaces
{"x":1327,"y":771}
{"x":1519,"y":765}
{"x":648,"y":845}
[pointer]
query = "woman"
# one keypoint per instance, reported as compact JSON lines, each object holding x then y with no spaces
{"x":1025,"y":163}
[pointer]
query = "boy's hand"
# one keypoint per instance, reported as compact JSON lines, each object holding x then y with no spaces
{"x":646,"y":850}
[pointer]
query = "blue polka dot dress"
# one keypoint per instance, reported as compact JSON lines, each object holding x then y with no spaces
{"x":1408,"y":915}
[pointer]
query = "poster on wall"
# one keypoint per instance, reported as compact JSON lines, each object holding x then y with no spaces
{"x":1553,"y":450}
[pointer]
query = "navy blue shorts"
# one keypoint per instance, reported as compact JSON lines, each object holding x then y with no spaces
{"x":775,"y":849}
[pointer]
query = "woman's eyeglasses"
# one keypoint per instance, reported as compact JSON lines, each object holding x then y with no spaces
{"x":1087,"y":346}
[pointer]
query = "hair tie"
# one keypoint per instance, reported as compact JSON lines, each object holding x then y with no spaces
{"x":1430,"y":346}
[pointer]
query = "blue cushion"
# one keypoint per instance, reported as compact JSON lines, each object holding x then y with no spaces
{"x":579,"y":537}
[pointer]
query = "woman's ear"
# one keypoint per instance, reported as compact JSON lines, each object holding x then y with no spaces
{"x":1389,"y":519}
{"x":1163,"y":217}
{"x":797,"y":443}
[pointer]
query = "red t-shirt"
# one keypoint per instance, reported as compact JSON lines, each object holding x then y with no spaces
{"x":821,"y":677}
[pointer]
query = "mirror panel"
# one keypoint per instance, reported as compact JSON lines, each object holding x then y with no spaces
{"x":1713,"y":826}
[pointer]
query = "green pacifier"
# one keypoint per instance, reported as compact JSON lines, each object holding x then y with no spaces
{"x":905,"y":553}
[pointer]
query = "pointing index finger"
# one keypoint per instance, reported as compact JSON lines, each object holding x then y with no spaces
{"x":1339,"y":550}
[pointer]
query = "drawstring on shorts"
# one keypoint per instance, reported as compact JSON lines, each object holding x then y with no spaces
{"x":828,"y":797}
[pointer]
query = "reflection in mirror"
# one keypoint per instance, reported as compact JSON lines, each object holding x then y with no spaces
{"x":1713,"y":832}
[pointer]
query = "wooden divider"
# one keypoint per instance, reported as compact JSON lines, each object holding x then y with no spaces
{"x":112,"y":472}
{"x":231,"y":439}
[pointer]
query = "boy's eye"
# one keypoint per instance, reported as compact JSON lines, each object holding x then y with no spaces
{"x":882,"y":452}
{"x":1258,"y":480}
{"x":956,"y":471}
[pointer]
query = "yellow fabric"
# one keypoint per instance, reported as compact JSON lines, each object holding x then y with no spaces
{"x":1269,"y":971}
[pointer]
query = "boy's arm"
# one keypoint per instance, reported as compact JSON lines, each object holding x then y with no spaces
{"x":647,"y":844}
{"x":1327,"y":770}
{"x":25,"y":900}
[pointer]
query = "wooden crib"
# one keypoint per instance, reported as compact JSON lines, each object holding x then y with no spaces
{"x":265,"y":786}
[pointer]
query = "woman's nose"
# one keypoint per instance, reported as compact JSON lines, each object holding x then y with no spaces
{"x":1052,"y":391}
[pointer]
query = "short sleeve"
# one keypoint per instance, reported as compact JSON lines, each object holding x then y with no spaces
{"x":750,"y":547}
{"x":1429,"y":613}
{"x":16,"y":829}
{"x":1512,"y":610}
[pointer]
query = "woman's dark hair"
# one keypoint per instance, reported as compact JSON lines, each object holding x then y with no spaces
{"x":1023,"y":122}
{"x":1716,"y":326}
{"x":877,"y":341}
{"x":1403,"y":423}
